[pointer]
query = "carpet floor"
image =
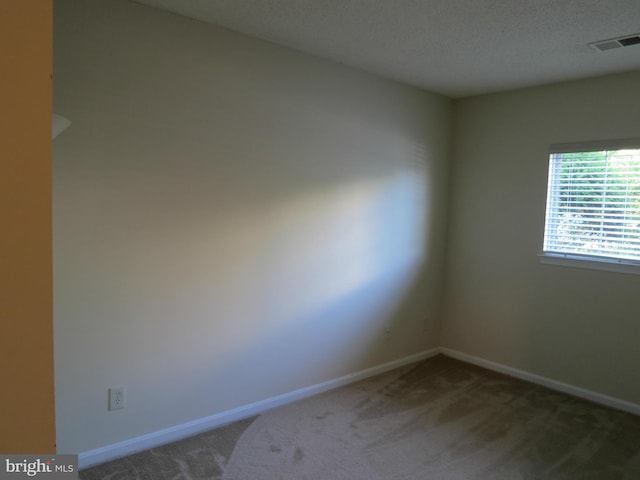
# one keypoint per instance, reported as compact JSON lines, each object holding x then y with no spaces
{"x":439,"y":419}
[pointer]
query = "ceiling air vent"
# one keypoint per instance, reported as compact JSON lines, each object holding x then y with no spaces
{"x":616,"y":43}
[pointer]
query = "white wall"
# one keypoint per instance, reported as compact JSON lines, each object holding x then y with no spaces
{"x":576,"y":326}
{"x":232,"y":220}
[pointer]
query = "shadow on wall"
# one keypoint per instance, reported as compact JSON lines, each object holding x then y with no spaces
{"x":234,"y":296}
{"x":319,"y":278}
{"x":232,"y":220}
{"x":331,"y":279}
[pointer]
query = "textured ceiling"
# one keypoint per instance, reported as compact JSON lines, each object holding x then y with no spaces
{"x":454,"y":47}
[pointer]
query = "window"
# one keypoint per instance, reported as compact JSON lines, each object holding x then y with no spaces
{"x":593,"y":205}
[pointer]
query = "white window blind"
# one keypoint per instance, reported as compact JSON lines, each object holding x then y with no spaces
{"x":593,"y":201}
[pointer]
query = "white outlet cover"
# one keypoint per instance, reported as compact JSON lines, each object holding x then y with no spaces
{"x":116,"y":398}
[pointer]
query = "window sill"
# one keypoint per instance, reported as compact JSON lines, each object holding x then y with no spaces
{"x":590,"y":263}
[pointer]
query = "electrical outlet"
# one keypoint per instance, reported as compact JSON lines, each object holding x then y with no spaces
{"x":116,"y":398}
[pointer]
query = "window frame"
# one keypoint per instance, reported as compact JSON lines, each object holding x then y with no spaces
{"x":593,"y":262}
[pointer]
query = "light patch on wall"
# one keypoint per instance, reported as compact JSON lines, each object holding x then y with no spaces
{"x":331,"y":244}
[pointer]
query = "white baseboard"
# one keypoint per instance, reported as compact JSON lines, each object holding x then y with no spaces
{"x":161,"y":437}
{"x":546,"y":382}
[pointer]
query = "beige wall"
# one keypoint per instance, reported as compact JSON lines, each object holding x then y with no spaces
{"x":576,"y":326}
{"x":26,"y":334}
{"x":232,"y":220}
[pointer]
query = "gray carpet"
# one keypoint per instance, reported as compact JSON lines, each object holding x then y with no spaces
{"x":439,"y":419}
